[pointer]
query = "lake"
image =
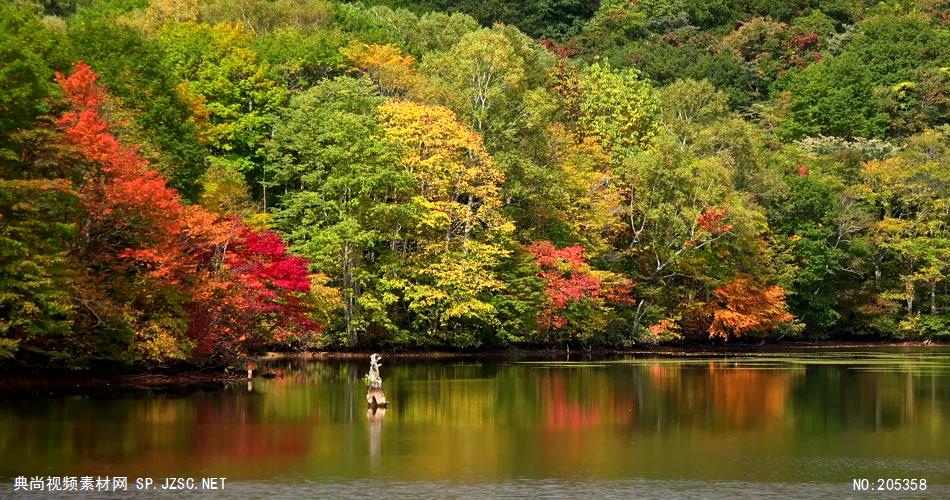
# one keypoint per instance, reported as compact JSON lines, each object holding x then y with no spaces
{"x":800,"y":424}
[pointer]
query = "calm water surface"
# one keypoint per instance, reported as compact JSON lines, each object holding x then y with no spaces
{"x":782,"y":424}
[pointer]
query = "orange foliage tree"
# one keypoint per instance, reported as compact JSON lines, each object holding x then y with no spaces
{"x":743,"y":307}
{"x":190,"y":282}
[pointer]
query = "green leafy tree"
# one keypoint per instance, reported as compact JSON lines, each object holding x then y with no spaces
{"x":839,"y":95}
{"x":617,"y":108}
{"x":614,"y":23}
{"x":483,"y":75}
{"x":299,"y":58}
{"x":911,"y":192}
{"x":687,"y":53}
{"x":430,"y":31}
{"x":346,"y":203}
{"x":230,"y":90}
{"x":158,"y":117}
{"x":687,"y":230}
{"x":537,"y":18}
{"x":27,"y":60}
{"x":686,"y":106}
{"x":263,"y":16}
{"x":36,"y":308}
{"x":822,"y":227}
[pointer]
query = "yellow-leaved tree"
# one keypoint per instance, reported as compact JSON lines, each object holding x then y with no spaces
{"x":461,"y":234}
{"x":456,"y":176}
{"x":385,"y":65}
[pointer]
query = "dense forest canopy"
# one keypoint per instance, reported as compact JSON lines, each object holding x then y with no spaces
{"x":186,"y":180}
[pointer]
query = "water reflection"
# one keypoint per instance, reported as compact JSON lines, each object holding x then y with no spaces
{"x":375,"y":418}
{"x":762,"y":418}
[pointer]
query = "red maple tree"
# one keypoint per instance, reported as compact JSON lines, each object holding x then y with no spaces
{"x":234,"y":281}
{"x":568,"y":278}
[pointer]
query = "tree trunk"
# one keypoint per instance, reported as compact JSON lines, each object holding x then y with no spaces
{"x":374,"y":385}
{"x":637,"y":318}
{"x":349,"y":300}
{"x":468,"y":220}
{"x":933,"y":297}
{"x":909,"y":288}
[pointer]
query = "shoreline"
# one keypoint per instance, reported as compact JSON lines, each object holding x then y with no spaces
{"x":91,"y":381}
{"x":658,"y":350}
{"x":64,"y":382}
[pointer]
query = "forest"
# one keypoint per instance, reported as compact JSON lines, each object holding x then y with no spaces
{"x":196,"y":180}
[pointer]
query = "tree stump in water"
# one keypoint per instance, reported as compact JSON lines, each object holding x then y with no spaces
{"x":374,"y":385}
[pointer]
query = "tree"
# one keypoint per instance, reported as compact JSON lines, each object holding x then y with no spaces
{"x":157,"y":257}
{"x":614,"y":22}
{"x":266,"y":16}
{"x":347,"y":203}
{"x":448,"y":295}
{"x":156,"y":115}
{"x":537,"y":18}
{"x":224,"y":79}
{"x":771,"y":48}
{"x":162,"y":11}
{"x":482,"y":73}
{"x":669,"y":206}
{"x":36,"y":309}
{"x":429,"y":32}
{"x":300,"y":59}
{"x":743,"y":307}
{"x":260,"y":286}
{"x":497,"y":82}
{"x":460,"y":231}
{"x":687,"y":53}
{"x":687,"y":106}
{"x":455,"y":175}
{"x":686,"y":230}
{"x":27,"y":51}
{"x":567,"y":195}
{"x":822,"y":227}
{"x":837,"y":97}
{"x":617,"y":108}
{"x":576,"y":293}
{"x":910,"y":194}
{"x":385,"y":65}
